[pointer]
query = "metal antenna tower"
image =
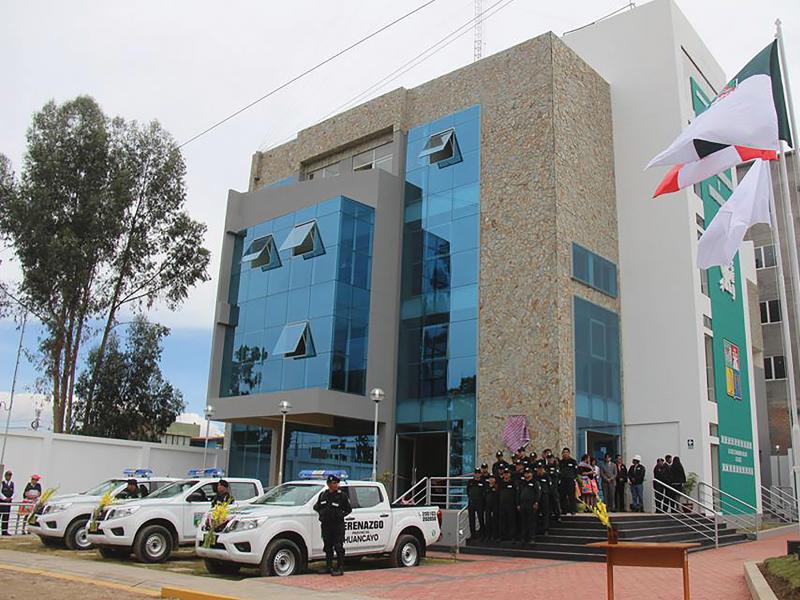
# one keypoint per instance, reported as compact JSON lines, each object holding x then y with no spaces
{"x":478,"y":31}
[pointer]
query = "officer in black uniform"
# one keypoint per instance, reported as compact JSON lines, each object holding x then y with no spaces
{"x":223,"y":493}
{"x":507,"y":506}
{"x":528,"y":496}
{"x":545,"y":487}
{"x":131,"y":491}
{"x":499,"y":465}
{"x":332,"y":506}
{"x":6,"y":497}
{"x":485,"y":472}
{"x":568,"y":471}
{"x":533,"y":457}
{"x":553,"y":473}
{"x":519,"y":471}
{"x":492,"y":516}
{"x":476,"y":505}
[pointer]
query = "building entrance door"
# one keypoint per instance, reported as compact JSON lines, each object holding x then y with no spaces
{"x":420,"y":455}
{"x":600,"y":444}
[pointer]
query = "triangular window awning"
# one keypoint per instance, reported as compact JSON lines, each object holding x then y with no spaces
{"x":303,"y":239}
{"x":436,"y":143}
{"x":262,"y":253}
{"x":295,"y":341}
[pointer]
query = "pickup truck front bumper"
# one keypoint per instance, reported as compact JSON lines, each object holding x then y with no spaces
{"x":112,"y":532}
{"x":239,"y":547}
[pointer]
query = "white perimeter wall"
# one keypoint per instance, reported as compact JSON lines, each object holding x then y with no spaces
{"x":74,"y":463}
{"x":663,"y":360}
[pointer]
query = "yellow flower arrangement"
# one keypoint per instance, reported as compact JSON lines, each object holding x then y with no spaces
{"x":599,"y":510}
{"x":216,"y":517}
{"x":39,"y":504}
{"x":106,"y":500}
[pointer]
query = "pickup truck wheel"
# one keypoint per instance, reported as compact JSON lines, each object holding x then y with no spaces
{"x":107,"y":552}
{"x":76,"y":537}
{"x":153,"y":544}
{"x":406,"y":552}
{"x":282,"y":558}
{"x":221,"y":567}
{"x":50,"y":542}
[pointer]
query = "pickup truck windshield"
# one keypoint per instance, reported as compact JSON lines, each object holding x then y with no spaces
{"x":173,"y":489}
{"x":102,"y":488}
{"x":290,"y":494}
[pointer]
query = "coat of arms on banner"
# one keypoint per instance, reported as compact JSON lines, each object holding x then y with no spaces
{"x":728,"y":282}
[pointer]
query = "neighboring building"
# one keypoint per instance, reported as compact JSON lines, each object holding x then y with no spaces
{"x":688,"y":336}
{"x":212,"y":441}
{"x":775,"y":423}
{"x":457,"y":245}
{"x":180,"y":434}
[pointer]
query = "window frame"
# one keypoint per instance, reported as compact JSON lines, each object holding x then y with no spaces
{"x":287,"y":348}
{"x":375,"y":160}
{"x":767,"y":308}
{"x":770,"y":373}
{"x":760,"y":256}
{"x":310,"y":245}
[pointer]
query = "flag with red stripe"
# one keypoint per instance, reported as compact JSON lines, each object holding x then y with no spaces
{"x":515,"y":432}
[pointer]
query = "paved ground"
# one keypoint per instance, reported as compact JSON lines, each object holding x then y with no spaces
{"x":17,"y":585}
{"x":715,"y":574}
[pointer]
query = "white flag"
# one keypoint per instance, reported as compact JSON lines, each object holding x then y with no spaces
{"x":748,"y":205}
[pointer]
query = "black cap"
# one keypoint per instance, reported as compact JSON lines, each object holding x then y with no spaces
{"x":533,"y":455}
{"x":132,"y":482}
{"x":484,"y":466}
{"x":528,"y":470}
{"x":499,"y":454}
{"x":506,"y":470}
{"x":332,"y":479}
{"x":540,"y":464}
{"x":223,"y":482}
{"x":477,"y":471}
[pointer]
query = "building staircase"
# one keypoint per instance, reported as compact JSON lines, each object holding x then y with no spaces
{"x":567,"y":540}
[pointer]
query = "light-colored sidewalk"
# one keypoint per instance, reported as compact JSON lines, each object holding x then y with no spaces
{"x":152,"y":580}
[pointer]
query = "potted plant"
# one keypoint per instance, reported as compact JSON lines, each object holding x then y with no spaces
{"x":688,"y":487}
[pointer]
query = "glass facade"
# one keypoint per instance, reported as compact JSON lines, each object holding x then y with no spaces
{"x":345,"y":446}
{"x":437,"y":356}
{"x":598,"y":405}
{"x":250,"y":452}
{"x":301,"y":318}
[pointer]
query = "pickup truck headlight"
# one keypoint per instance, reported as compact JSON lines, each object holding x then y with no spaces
{"x":245,"y":524}
{"x":123,"y":511}
{"x":56,"y":507}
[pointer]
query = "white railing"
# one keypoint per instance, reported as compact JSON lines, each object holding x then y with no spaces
{"x":444,"y":492}
{"x":704,"y":522}
{"x":16,"y":518}
{"x":733,"y":510}
{"x":779,"y":505}
{"x":462,"y":528}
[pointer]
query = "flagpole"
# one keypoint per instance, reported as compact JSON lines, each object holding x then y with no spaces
{"x":792,"y":246}
{"x":788,"y":354}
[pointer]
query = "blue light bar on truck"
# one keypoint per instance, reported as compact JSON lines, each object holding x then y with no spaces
{"x":322,"y":474}
{"x":210,"y":472}
{"x":138,"y":473}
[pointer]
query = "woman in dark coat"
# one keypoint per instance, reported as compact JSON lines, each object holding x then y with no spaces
{"x":677,"y":475}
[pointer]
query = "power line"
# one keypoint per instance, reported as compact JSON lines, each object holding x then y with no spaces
{"x":442,"y":43}
{"x":306,"y":72}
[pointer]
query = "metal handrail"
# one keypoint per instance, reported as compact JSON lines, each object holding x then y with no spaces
{"x":731,"y":507}
{"x":694,"y":520}
{"x":461,"y":530}
{"x":777,"y":491}
{"x":413,"y":495}
{"x":779,"y":504}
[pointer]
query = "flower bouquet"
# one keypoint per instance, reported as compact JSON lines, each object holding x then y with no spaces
{"x":216,"y":517}
{"x":106,"y":500}
{"x":600,"y":511}
{"x":38,"y":505}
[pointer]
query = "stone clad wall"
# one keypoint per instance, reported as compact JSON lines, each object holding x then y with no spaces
{"x":546,"y":180}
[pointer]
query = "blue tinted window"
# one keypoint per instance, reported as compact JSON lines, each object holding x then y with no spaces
{"x":439,"y":292}
{"x":594,"y":270}
{"x":321,"y":288}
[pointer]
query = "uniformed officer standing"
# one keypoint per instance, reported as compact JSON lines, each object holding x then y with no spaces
{"x":553,"y":473}
{"x":6,"y":497}
{"x":545,"y":488}
{"x":476,"y":505}
{"x":568,"y":471}
{"x":485,"y":472}
{"x":519,"y":471}
{"x":492,"y":516}
{"x":529,"y":494}
{"x":333,"y":506}
{"x":507,"y":506}
{"x":499,"y":465}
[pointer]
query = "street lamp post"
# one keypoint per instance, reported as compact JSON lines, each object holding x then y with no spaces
{"x":209,"y":414}
{"x":376,"y":394}
{"x":285,"y":407}
{"x":13,"y":389}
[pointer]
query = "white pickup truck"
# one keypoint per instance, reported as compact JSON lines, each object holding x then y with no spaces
{"x":63,"y":519}
{"x":169,"y":517}
{"x":280,"y":533}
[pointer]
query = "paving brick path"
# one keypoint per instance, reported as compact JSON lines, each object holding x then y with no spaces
{"x":715,"y":575}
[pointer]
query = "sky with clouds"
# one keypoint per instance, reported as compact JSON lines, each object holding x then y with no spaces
{"x":189,"y":63}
